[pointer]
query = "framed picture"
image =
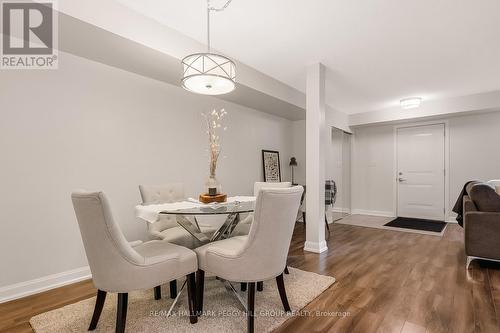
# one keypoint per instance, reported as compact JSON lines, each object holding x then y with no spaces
{"x":271,"y":165}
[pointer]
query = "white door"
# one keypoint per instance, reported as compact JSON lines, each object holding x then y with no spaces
{"x":421,"y":171}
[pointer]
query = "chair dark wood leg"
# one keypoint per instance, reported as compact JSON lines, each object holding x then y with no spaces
{"x":251,"y":307}
{"x":200,"y":287}
{"x":173,"y":289}
{"x":121,"y":313}
{"x":327,"y":228}
{"x":191,"y":287}
{"x":286,"y":270}
{"x":243,"y":286}
{"x":260,"y":286}
{"x":282,"y":291}
{"x":99,"y":303}
{"x":157,"y":292}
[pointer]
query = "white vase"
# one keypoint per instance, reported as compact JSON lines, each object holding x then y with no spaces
{"x":212,"y":186}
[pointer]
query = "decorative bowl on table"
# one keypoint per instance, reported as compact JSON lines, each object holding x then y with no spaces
{"x":206,"y":198}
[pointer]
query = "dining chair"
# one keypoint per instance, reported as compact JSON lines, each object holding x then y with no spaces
{"x":258,"y":256}
{"x":243,"y":228}
{"x":166,"y":228}
{"x":257,"y":186}
{"x":118,"y":266}
{"x":330,"y":199}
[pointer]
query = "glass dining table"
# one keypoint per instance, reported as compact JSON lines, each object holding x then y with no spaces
{"x":187,"y":218}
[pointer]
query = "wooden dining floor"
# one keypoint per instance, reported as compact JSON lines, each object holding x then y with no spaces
{"x":387,"y":281}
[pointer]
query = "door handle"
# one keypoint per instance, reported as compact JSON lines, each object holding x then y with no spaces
{"x":401,"y":179}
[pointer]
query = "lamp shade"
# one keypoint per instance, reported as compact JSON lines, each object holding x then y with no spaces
{"x":293,"y":161}
{"x":208,"y":74}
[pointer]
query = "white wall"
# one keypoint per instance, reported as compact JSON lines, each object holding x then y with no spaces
{"x":474,"y":150}
{"x":87,"y":125}
{"x":474,"y":141}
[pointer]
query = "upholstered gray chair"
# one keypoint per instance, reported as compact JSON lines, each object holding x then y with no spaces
{"x":261,"y":255}
{"x":243,"y":228}
{"x":257,"y":186}
{"x":167,"y":228}
{"x":119,"y":267}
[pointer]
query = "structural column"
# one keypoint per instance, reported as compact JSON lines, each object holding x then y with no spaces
{"x":315,"y":159}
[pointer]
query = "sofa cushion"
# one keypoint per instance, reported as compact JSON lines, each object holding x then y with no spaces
{"x":485,"y":198}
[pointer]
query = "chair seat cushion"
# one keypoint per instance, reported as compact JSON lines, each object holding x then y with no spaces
{"x":208,"y":254}
{"x":180,"y":236}
{"x":157,"y":251}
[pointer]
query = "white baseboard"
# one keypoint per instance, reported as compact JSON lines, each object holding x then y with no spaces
{"x":315,"y":246}
{"x":372,"y":212}
{"x":26,"y":288}
{"x":451,"y":218}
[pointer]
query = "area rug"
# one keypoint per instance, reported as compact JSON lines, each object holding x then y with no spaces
{"x":223,"y":313}
{"x":417,"y":224}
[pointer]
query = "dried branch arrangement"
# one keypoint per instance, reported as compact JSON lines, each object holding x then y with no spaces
{"x":215,"y":123}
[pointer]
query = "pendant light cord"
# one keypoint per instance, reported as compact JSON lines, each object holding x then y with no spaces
{"x":220,"y":9}
{"x":209,"y":9}
{"x":208,"y":26}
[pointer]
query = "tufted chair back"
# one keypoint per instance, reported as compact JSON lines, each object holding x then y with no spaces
{"x":257,"y":186}
{"x":271,"y":232}
{"x":108,"y":252}
{"x":159,"y":194}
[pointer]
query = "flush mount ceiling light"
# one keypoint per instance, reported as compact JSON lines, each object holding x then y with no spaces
{"x":411,"y":102}
{"x":209,"y":73}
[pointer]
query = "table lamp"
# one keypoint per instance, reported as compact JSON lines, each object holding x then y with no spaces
{"x":293,"y":164}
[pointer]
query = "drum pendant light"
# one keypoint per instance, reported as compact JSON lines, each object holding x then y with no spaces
{"x":209,"y":73}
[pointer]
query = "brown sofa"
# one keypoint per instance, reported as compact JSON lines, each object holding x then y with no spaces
{"x":482,"y":223}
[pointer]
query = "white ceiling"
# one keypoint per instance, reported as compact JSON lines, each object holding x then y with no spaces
{"x":376,"y":52}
